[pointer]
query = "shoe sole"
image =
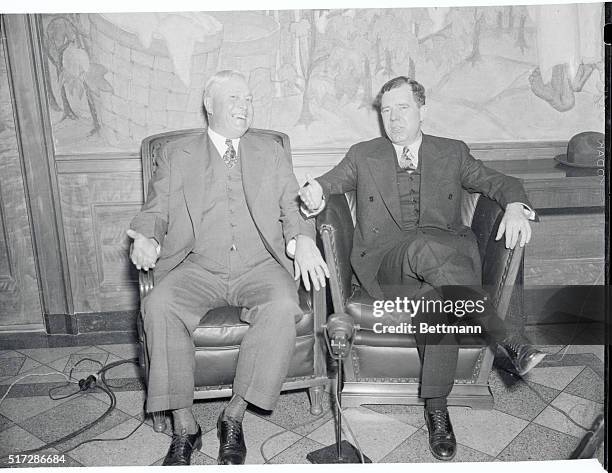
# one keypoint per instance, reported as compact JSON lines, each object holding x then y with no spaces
{"x":533,"y":361}
{"x":444,"y":459}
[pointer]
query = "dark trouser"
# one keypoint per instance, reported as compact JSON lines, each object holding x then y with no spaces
{"x":431,"y":264}
{"x":174,"y":308}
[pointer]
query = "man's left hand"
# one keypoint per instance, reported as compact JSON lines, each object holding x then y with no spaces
{"x":309,"y":264}
{"x":515,"y":225}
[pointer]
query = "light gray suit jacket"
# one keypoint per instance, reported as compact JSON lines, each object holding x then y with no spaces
{"x":173,"y":210}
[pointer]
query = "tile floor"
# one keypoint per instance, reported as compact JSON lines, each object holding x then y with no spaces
{"x":525,"y":425}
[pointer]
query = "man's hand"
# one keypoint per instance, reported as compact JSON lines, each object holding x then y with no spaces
{"x":308,"y":263}
{"x":514,"y":224}
{"x":311,"y":194}
{"x":144,"y":250}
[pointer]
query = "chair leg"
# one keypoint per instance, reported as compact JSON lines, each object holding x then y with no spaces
{"x":316,"y":400}
{"x":159,"y":421}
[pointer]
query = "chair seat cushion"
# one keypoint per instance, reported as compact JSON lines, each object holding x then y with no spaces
{"x":361,"y":307}
{"x":222,"y":327}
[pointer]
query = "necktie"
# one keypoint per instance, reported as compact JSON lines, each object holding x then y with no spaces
{"x":229,"y":157}
{"x":406,"y":160}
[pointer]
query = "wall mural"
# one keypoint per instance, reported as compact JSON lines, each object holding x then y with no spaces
{"x":495,"y":73}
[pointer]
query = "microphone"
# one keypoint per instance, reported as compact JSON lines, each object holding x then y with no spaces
{"x":340,"y":330}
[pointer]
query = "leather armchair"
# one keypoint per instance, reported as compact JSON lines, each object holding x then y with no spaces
{"x":385,"y":368}
{"x":218,"y":336}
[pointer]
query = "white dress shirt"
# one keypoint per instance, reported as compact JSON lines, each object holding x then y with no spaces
{"x":219,"y":141}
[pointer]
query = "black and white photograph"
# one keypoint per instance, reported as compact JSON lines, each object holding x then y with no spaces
{"x":304,"y":235}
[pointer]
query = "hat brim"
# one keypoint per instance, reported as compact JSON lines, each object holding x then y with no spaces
{"x":561,"y":159}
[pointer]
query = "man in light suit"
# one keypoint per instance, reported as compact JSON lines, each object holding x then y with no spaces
{"x":222,"y":222}
{"x":409,"y":233}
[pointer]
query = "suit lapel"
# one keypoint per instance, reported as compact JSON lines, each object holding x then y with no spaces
{"x":429,"y":157}
{"x":382,"y":168}
{"x":197,"y":156}
{"x":252,"y":168}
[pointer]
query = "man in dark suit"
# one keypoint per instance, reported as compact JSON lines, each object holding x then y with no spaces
{"x":223,"y":218}
{"x":409,"y":232}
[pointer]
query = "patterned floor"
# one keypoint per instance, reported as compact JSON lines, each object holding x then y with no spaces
{"x":525,"y":424}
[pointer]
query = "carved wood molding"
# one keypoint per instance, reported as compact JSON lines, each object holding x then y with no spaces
{"x":33,"y":127}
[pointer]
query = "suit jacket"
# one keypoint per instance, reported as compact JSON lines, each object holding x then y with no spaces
{"x":447,"y":167}
{"x":173,"y":210}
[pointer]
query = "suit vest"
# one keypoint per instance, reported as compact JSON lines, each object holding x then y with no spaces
{"x":408,"y":186}
{"x":228,"y":238}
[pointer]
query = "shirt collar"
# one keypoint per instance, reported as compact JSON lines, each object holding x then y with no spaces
{"x":219,"y":141}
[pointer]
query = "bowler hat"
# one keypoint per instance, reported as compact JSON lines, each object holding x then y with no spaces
{"x":584,"y":150}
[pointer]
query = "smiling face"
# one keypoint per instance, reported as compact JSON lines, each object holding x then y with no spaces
{"x":401,"y":115}
{"x":230,"y":107}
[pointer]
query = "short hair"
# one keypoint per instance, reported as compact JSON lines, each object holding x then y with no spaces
{"x":418,"y":91}
{"x":219,"y":78}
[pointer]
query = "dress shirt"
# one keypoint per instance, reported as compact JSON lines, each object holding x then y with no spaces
{"x":414,"y":148}
{"x":219,"y":142}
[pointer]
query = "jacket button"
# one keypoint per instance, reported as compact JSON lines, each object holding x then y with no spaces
{"x":363,"y":253}
{"x":371,"y":198}
{"x":450,"y":196}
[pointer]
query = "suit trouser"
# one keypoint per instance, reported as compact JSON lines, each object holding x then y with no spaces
{"x":440,"y":266}
{"x":174,"y":308}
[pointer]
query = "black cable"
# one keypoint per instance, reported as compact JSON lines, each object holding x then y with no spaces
{"x":283,"y":431}
{"x":549,"y":403}
{"x":68,"y":383}
{"x":103,"y":379}
{"x":87,"y":384}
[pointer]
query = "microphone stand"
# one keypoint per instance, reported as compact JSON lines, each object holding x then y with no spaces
{"x":338,"y":334}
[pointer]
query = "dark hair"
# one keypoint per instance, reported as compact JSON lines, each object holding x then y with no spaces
{"x":418,"y":91}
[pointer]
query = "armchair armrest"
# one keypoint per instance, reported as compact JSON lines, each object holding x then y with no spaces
{"x":336,"y":229}
{"x":145,"y":283}
{"x":500,"y":265}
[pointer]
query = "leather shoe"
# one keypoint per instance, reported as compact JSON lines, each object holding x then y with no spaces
{"x":522,"y":357}
{"x":232,"y":449}
{"x":181,"y":447}
{"x":442,"y":442}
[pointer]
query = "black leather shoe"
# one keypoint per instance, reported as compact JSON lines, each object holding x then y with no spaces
{"x":181,"y":448}
{"x":442,"y":442}
{"x":522,"y":357}
{"x":232,"y":449}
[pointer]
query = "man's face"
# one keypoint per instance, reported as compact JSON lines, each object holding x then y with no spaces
{"x":401,"y":115}
{"x":230,"y":107}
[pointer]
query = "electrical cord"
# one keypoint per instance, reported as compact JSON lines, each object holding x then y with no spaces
{"x":281,"y":432}
{"x":68,"y":383}
{"x":84,"y":385}
{"x":348,"y":426}
{"x":104,"y":381}
{"x":549,"y":403}
{"x":267,"y":460}
{"x":27,"y":375}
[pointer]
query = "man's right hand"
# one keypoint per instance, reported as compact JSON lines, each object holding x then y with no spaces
{"x":311,"y":194}
{"x":144,"y":250}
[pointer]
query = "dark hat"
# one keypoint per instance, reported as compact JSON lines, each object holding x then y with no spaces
{"x":584,"y":150}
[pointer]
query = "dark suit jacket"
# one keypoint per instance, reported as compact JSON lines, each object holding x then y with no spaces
{"x":173,"y":210}
{"x":446,"y":167}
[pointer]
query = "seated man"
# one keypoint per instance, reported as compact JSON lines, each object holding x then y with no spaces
{"x":408,"y":228}
{"x":222,"y":216}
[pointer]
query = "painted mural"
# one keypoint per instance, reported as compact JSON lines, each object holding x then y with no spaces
{"x":496,"y":73}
